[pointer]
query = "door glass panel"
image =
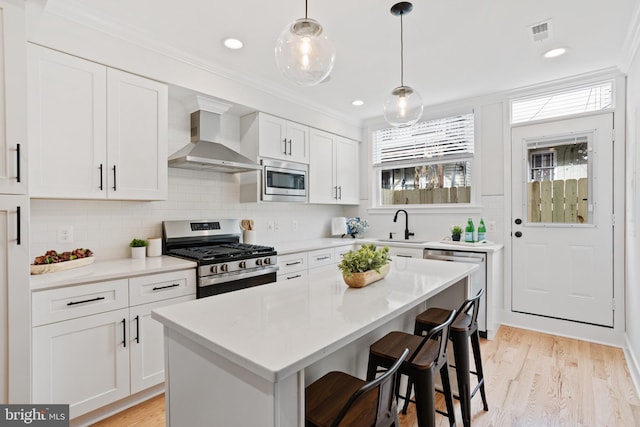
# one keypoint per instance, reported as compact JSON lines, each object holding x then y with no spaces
{"x":559,"y":180}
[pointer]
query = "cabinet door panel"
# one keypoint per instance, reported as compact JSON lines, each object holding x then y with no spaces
{"x":147,"y":345}
{"x":13,"y":105}
{"x":271,"y":137}
{"x":298,"y":137}
{"x":347,"y":171}
{"x":137,"y":137}
{"x":82,"y":362}
{"x":322,"y":186}
{"x":67,"y":125}
{"x":14,"y":287}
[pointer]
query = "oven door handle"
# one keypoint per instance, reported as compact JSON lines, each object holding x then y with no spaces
{"x":235,"y":275}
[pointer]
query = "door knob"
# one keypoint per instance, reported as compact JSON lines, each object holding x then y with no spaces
{"x":518,"y":221}
{"x":518,"y":234}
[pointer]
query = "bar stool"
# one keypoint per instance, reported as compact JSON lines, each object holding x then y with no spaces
{"x":339,"y":399}
{"x":428,"y":355}
{"x":463,"y":328}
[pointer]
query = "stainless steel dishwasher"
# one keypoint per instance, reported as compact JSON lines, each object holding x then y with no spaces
{"x":478,"y":277}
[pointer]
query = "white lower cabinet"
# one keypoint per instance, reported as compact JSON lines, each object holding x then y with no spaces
{"x":92,"y":347}
{"x":147,"y":345}
{"x":301,"y":264}
{"x":83,"y":362}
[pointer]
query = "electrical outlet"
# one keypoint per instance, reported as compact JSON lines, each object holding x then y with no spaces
{"x":65,"y":234}
{"x":270,"y":226}
{"x":294,"y":225}
{"x":491,"y":226}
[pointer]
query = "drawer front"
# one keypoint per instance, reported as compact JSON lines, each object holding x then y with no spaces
{"x":158,"y":287}
{"x":292,"y":262}
{"x":76,"y":301}
{"x":291,"y":275}
{"x":321,"y":257}
{"x":398,"y":252}
{"x":341,"y":250}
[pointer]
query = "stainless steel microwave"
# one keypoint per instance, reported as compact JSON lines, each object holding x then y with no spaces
{"x":284,"y":181}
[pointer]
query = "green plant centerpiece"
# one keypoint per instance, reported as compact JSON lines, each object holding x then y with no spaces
{"x":138,"y":243}
{"x":364,"y":266}
{"x":456,"y":231}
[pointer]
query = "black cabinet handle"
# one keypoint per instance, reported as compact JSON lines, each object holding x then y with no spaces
{"x":101,"y":179}
{"x":124,"y":332}
{"x":18,"y":159}
{"x":294,"y":277}
{"x":137,"y":329}
{"x":18,"y":230}
{"x":340,"y":188}
{"x":114,"y":177}
{"x":157,"y":288}
{"x":85,"y":301}
{"x":289,"y":146}
{"x":293,"y":263}
{"x":285,"y":146}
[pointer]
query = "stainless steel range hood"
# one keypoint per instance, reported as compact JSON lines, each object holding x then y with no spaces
{"x":205,"y":152}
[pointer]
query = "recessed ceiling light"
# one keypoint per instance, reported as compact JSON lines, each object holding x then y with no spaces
{"x":358,"y":103}
{"x":232,"y":43}
{"x":554,"y":53}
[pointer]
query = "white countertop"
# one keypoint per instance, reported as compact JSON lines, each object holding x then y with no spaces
{"x":310,"y":245}
{"x":277,"y":329}
{"x":109,"y":270}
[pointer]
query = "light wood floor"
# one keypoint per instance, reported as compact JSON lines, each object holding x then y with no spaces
{"x":532,"y":379}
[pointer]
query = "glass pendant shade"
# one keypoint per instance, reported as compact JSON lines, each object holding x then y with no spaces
{"x":303,"y":53}
{"x":403,"y":107}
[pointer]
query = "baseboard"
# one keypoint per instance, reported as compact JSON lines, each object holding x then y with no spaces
{"x":634,"y":366}
{"x":119,"y":406}
{"x":565,"y":328}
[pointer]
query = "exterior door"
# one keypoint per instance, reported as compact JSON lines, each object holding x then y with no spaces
{"x":562,"y":219}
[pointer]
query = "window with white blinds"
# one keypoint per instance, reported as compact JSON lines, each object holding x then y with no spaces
{"x":567,"y":102}
{"x":426,"y":164}
{"x":425,"y":142}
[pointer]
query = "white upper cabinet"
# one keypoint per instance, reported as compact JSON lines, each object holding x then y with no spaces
{"x":275,"y":138}
{"x":95,"y":132}
{"x":13,"y":105}
{"x":333,"y":169}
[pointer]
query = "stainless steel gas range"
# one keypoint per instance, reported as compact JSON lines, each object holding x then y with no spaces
{"x":224,"y":264}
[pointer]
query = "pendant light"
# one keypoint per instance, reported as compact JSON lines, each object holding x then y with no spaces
{"x":403,"y":107}
{"x":303,"y":53}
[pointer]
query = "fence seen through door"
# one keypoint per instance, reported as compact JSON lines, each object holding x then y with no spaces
{"x":559,"y":201}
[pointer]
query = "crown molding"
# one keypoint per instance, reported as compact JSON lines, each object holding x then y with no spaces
{"x":74,"y":10}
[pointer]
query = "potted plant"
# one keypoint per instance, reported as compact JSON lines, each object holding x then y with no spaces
{"x":364,"y":266}
{"x":138,"y":248}
{"x":456,"y":232}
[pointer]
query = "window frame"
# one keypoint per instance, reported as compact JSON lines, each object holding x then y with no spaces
{"x":473,"y":206}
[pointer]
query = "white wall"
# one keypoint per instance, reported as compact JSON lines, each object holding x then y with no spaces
{"x":632,"y":273}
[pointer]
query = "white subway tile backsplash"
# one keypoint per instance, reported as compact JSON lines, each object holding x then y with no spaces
{"x":106,"y":227}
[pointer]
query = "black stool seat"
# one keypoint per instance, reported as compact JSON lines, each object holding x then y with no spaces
{"x":340,"y":399}
{"x":428,"y":356}
{"x":464,"y":328}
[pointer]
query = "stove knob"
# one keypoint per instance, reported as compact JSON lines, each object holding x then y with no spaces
{"x":214,"y":269}
{"x":267,"y":261}
{"x":224,"y":267}
{"x":258,"y":261}
{"x":243,"y":264}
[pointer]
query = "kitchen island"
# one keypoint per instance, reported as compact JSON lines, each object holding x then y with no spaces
{"x":244,"y":358}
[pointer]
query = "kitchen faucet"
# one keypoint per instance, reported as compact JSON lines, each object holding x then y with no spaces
{"x":406,"y":223}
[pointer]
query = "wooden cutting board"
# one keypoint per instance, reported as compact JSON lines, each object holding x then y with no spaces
{"x":60,"y":266}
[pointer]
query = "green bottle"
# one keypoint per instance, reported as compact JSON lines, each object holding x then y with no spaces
{"x":468,"y":231}
{"x":482,"y":231}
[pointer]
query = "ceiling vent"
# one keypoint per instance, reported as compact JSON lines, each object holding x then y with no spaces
{"x":540,"y":31}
